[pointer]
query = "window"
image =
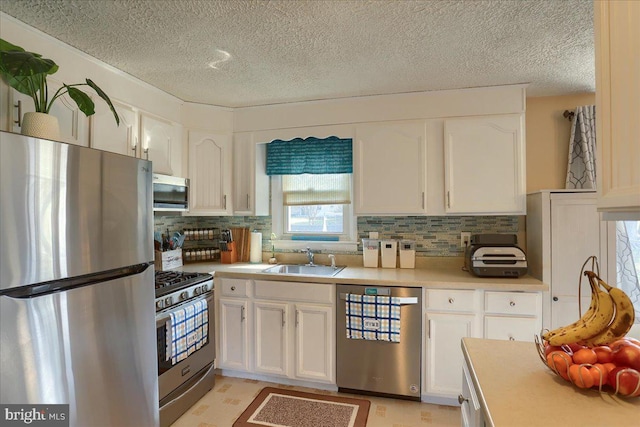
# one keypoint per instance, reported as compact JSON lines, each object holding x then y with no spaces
{"x":315,"y":204}
{"x":311,"y":189}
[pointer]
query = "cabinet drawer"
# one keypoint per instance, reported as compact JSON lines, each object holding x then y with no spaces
{"x":295,"y":291}
{"x":235,"y":287}
{"x":511,"y":328}
{"x":451,"y":300}
{"x":512,"y":303}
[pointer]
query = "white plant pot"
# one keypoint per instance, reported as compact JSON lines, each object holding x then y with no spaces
{"x":40,"y":125}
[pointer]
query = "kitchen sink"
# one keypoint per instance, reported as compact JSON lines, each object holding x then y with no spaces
{"x":304,"y":269}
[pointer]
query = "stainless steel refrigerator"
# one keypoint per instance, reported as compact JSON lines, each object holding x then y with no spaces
{"x":77,"y":315}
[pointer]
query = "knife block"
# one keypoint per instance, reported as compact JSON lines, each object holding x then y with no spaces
{"x":230,"y":255}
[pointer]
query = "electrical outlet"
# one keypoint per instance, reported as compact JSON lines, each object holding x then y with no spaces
{"x":465,"y":238}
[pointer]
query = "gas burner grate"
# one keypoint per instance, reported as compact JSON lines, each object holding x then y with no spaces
{"x":168,"y":281}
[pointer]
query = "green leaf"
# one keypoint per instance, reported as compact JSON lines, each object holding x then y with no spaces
{"x":104,"y":96}
{"x":85,"y":104}
{"x":5,"y":46}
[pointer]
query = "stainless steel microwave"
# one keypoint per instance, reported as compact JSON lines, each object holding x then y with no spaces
{"x":170,"y":193}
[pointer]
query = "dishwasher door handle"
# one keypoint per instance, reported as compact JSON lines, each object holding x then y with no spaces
{"x":403,"y":300}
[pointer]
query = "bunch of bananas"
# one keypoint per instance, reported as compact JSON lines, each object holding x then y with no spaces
{"x":609,"y":318}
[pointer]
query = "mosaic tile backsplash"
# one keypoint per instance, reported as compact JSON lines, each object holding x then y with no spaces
{"x":434,"y":236}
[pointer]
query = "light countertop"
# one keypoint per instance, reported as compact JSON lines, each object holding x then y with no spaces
{"x":433,"y":272}
{"x":515,"y":389}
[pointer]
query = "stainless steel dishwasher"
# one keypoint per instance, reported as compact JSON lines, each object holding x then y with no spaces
{"x":381,"y":367}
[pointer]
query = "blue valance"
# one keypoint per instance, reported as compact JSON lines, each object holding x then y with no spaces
{"x":310,"y":155}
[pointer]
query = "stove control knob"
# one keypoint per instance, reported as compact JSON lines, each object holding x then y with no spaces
{"x":168,"y":301}
{"x":205,"y":288}
{"x":196,"y":291}
{"x":184,"y":295}
{"x":159,"y":304}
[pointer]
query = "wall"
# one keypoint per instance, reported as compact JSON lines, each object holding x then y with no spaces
{"x":548,"y":134}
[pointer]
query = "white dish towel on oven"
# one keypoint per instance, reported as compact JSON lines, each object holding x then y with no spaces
{"x":373,"y":317}
{"x":187,"y":330}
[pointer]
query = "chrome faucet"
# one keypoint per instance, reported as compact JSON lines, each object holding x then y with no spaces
{"x":309,"y":255}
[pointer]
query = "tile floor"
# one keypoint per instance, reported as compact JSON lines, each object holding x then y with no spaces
{"x":230,"y":396}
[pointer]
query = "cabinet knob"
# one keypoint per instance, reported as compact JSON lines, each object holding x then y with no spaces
{"x":233,"y":288}
{"x":512,"y":339}
{"x":462,"y":399}
{"x":555,"y":298}
{"x":451,"y":300}
{"x":512,"y":304}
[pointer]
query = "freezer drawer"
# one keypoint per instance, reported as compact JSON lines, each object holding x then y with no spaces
{"x":381,"y":367}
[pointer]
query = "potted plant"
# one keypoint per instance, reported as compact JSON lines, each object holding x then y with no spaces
{"x":27,"y":73}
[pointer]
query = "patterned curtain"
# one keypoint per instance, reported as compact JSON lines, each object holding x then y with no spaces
{"x":581,"y":170}
{"x":628,"y":243}
{"x":311,"y":155}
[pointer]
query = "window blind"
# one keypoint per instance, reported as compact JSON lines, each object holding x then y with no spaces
{"x":311,"y":189}
{"x":330,"y":155}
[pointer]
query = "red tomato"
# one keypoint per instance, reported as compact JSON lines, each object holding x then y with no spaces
{"x":627,"y":356}
{"x":604,"y":353}
{"x":625,"y":381}
{"x":549,"y":348}
{"x":559,"y":362}
{"x":585,"y":355}
{"x":581,"y":376}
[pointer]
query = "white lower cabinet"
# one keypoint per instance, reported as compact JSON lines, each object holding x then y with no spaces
{"x":470,"y":410}
{"x":453,"y":314}
{"x":233,"y":332}
{"x":288,"y":333}
{"x":315,"y":337}
{"x":450,"y":317}
{"x":271,"y":337}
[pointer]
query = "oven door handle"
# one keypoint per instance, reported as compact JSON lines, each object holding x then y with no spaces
{"x":161,"y":319}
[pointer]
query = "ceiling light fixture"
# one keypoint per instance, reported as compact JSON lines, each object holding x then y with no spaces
{"x":222,"y":57}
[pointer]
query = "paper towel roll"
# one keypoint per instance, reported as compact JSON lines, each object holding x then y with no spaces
{"x":255,"y":253}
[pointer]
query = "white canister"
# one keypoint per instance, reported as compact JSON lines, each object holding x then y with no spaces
{"x":389,"y":251}
{"x":370,"y":252}
{"x":255,"y":251}
{"x":407,"y":254}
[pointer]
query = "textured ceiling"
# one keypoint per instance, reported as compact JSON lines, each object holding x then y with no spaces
{"x":294,"y":50}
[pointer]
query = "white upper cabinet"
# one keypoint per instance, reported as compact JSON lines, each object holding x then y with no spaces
{"x":209,"y":173}
{"x":485,"y":165}
{"x":617,"y":32}
{"x":107,"y":135}
{"x":250,"y":180}
{"x":160,"y":143}
{"x":73,"y":123}
{"x":390,"y":162}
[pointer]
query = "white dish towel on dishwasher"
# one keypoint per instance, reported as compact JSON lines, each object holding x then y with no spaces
{"x":373,"y":317}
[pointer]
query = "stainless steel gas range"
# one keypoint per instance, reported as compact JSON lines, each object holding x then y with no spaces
{"x":185,"y":352}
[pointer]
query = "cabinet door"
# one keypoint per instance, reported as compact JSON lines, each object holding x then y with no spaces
{"x":234,"y":346}
{"x":209,"y":172}
{"x":617,"y":46}
{"x":575,"y":235}
{"x":444,"y":354}
{"x":73,"y":123}
{"x":314,"y":351}
{"x":107,"y":135}
{"x":271,"y":344}
{"x":485,"y":165}
{"x":160,"y":144}
{"x":390,"y":162}
{"x":250,"y":180}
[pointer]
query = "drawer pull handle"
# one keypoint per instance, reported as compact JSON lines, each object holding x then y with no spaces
{"x":451,"y":300}
{"x":462,"y":399}
{"x":512,"y":304}
{"x":233,"y":288}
